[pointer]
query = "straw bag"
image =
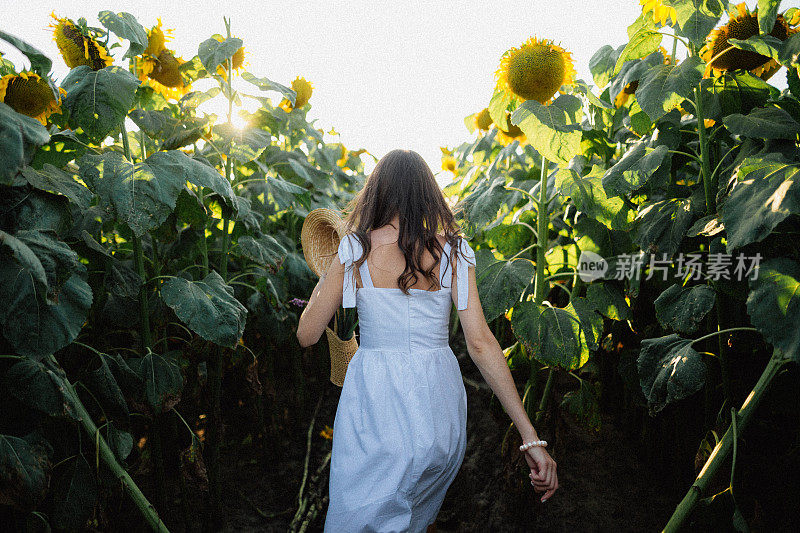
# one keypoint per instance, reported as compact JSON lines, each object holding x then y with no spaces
{"x":320,"y":236}
{"x":341,"y":353}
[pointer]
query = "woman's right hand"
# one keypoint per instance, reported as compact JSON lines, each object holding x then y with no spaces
{"x":543,"y":471}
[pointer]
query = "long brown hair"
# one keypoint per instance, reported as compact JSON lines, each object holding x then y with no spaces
{"x":402,"y":184}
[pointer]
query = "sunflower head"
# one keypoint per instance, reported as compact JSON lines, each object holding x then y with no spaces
{"x":535,"y":70}
{"x":506,"y":137}
{"x":77,"y":48}
{"x":30,"y":94}
{"x":303,"y":88}
{"x":482,"y":120}
{"x":449,"y":163}
{"x":721,"y":56}
{"x":660,"y":12}
{"x":157,"y":39}
{"x":162,"y":74}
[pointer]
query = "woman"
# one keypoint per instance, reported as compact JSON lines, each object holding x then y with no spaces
{"x":399,"y":434}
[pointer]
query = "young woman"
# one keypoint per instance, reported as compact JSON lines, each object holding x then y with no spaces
{"x":399,"y":434}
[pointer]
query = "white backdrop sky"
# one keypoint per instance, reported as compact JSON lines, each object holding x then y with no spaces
{"x":386,"y":74}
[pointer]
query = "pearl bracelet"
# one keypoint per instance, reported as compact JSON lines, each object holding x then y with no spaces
{"x":532,"y":443}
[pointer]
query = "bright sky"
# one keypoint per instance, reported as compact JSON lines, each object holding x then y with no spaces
{"x":385,"y":74}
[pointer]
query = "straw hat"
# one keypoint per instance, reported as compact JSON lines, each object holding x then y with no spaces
{"x":322,"y":230}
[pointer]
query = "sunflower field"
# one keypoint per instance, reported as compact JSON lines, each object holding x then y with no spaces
{"x":636,"y":238}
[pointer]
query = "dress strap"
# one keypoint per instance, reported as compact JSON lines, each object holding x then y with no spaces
{"x":349,"y":249}
{"x":366,"y":279}
{"x":465,"y":260}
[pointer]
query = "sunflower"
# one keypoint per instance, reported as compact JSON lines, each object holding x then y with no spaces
{"x":157,"y":39}
{"x":76,"y":48}
{"x":506,"y":137}
{"x":720,"y":56}
{"x":158,"y":66}
{"x":303,"y":89}
{"x":535,"y":70}
{"x":29,"y":94}
{"x":342,"y":162}
{"x":482,"y":120}
{"x":237,"y":58}
{"x":660,"y":12}
{"x":449,"y":163}
{"x":162,"y":74}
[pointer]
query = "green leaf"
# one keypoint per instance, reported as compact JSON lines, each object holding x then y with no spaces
{"x":24,"y":471}
{"x":684,"y":308}
{"x":664,"y":87}
{"x":644,"y":42}
{"x":767,"y":14}
{"x":602,"y":63}
{"x":208,"y":307}
{"x":485,"y":200}
{"x":19,"y":137}
{"x":633,"y":170}
{"x":583,"y":404}
{"x":696,"y":18}
{"x":591,"y":322}
{"x":120,"y":442}
{"x":126,"y":27}
{"x":500,"y":285}
{"x":765,"y":193}
{"x":105,"y":387}
{"x":35,"y":326}
{"x":264,"y":250}
{"x":765,"y":45}
{"x":212,"y":52}
{"x":669,"y":370}
{"x":662,"y":225}
{"x":498,"y":105}
{"x":74,"y":495}
{"x":589,"y":196}
{"x":139,"y":197}
{"x":24,"y":256}
{"x":774,"y":304}
{"x":553,"y":335}
{"x":57,"y":259}
{"x":99,"y":100}
{"x":40,"y":63}
{"x":764,"y":122}
{"x":55,"y":180}
{"x":176,"y":165}
{"x":163,"y":381}
{"x":265,"y":84}
{"x":608,"y":300}
{"x":39,"y":388}
{"x":554,"y":130}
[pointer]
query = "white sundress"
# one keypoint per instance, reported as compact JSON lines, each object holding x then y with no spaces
{"x":399,"y":434}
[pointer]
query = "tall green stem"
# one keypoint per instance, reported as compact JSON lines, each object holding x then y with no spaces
{"x":139,"y":499}
{"x":724,"y":446}
{"x":216,"y":366}
{"x":540,"y":283}
{"x":711,"y":208}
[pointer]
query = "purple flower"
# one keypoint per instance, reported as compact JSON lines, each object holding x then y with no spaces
{"x":298,"y":302}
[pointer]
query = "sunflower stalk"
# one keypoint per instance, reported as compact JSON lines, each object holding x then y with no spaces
{"x":216,"y":367}
{"x":711,"y":207}
{"x":149,"y":512}
{"x":725,"y":445}
{"x":540,"y":283}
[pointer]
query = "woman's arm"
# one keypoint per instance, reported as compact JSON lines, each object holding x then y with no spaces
{"x":485,"y":351}
{"x":325,"y":300}
{"x":488,"y":356}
